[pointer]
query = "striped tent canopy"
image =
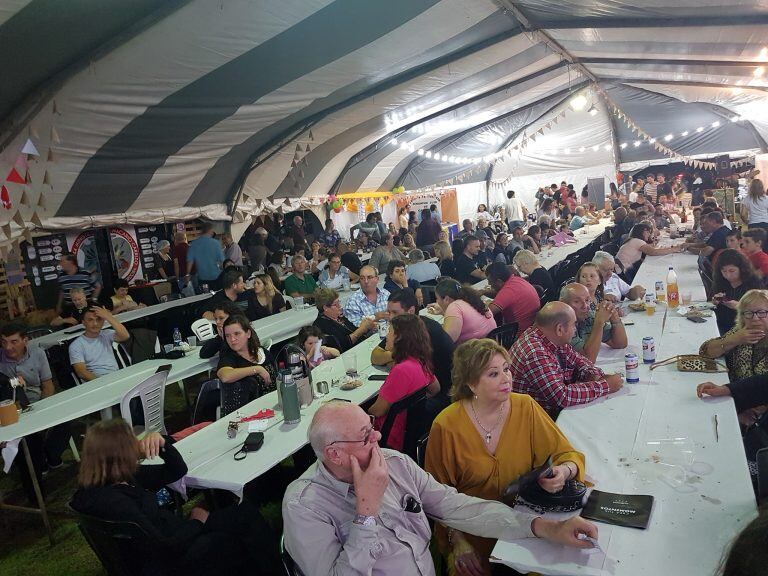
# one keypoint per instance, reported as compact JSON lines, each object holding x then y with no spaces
{"x":154,"y":110}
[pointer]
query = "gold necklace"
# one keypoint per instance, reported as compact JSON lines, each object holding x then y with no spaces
{"x":488,"y":433}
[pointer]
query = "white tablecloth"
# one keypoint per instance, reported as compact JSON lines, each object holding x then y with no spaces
{"x":699,"y":505}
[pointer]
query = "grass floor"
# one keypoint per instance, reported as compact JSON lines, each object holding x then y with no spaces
{"x":24,"y":546}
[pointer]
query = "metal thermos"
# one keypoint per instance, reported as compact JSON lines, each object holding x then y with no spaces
{"x":289,"y":395}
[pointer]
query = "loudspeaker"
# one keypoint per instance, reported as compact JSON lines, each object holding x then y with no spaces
{"x":723,"y":166}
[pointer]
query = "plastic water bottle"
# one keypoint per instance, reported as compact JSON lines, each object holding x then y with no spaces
{"x":177,"y":337}
{"x":673,"y":292}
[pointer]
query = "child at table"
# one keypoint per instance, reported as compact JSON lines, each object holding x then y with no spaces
{"x":309,"y":337}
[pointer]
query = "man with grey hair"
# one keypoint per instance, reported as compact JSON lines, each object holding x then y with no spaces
{"x":545,"y":365}
{"x":361,"y":509}
{"x":232,"y":250}
{"x":593,"y":327}
{"x":300,"y":283}
{"x":614,"y":288}
{"x":419,"y":269}
{"x":580,"y":219}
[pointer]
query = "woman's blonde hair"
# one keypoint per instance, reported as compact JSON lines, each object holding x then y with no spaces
{"x":756,"y":190}
{"x":751,"y":297}
{"x":325,"y":297}
{"x":110,"y":454}
{"x":269,"y":288}
{"x":470,"y":359}
{"x":443,"y":250}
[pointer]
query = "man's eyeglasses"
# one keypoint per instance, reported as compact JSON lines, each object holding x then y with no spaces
{"x":369,"y":277}
{"x":749,"y":314}
{"x":365,"y":439}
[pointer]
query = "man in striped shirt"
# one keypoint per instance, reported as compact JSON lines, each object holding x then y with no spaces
{"x":650,"y":188}
{"x":72,"y":276}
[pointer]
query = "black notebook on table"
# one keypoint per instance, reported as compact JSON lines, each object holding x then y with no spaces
{"x":629,"y":510}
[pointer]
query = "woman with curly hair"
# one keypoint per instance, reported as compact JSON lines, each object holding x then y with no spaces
{"x":465,"y":315}
{"x":486,"y":439}
{"x":409,"y":342}
{"x":733,"y":276}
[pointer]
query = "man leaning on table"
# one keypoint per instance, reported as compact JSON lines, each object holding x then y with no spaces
{"x":361,"y":509}
{"x":593,"y":327}
{"x":370,"y":300}
{"x":91,"y":353}
{"x":544,"y":365}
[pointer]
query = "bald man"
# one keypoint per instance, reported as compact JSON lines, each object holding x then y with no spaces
{"x":361,"y":509}
{"x":544,"y":364}
{"x":593,"y":327}
{"x":370,"y":300}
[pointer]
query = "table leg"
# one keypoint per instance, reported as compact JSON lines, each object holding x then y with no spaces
{"x":38,"y":494}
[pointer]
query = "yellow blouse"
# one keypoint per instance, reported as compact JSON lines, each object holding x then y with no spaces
{"x":457,"y":455}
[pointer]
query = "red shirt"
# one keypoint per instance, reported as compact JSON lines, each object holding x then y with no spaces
{"x":519,"y":302}
{"x":556,"y":376}
{"x":760,"y":262}
{"x":179,"y":252}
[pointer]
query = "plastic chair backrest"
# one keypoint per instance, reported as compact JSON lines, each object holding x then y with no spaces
{"x":505,"y":335}
{"x":421,"y":450}
{"x":762,"y":474}
{"x":204,"y":329}
{"x":403,"y":405}
{"x":121,"y":355}
{"x":288,"y":564}
{"x":111,"y":541}
{"x":208,"y":397}
{"x":151,"y":392}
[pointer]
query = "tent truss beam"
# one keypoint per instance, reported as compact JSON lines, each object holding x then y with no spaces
{"x":661,"y":22}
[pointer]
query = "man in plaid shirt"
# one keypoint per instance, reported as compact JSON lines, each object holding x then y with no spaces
{"x":545,"y":366}
{"x":370,"y":300}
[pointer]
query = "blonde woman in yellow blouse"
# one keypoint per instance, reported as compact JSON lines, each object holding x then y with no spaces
{"x":486,"y":439}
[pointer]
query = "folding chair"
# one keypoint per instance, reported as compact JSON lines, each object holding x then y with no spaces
{"x":203,"y":329}
{"x":505,"y":335}
{"x":413,"y":405}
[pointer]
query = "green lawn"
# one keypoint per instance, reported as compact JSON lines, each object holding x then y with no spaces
{"x":24,"y":546}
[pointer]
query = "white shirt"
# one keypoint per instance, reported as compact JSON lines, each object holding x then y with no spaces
{"x":758,"y":211}
{"x":615,"y":286}
{"x":484,"y":215}
{"x":422,"y":271}
{"x":514,"y":209}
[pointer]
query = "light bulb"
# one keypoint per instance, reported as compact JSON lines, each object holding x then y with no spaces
{"x":715,"y":124}
{"x":579,"y":102}
{"x":668,"y":137}
{"x":636,"y":143}
{"x":700,"y":129}
{"x":393,"y":141}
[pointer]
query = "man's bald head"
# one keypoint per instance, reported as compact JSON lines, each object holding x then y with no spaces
{"x":577,"y":297}
{"x":579,"y":210}
{"x":330,"y":423}
{"x":553,"y":313}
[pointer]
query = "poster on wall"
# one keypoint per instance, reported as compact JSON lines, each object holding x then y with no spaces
{"x":125,"y":248}
{"x":43,"y":257}
{"x":148,"y":237}
{"x":422,"y":202}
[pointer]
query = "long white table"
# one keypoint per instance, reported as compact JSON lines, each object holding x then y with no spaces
{"x":72,"y":332}
{"x":700,"y":482}
{"x":209,"y":453}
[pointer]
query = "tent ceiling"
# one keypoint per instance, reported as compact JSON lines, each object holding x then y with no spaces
{"x":182,"y":105}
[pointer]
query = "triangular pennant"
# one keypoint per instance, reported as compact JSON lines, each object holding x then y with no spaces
{"x":27,"y":178}
{"x":7,"y":230}
{"x":296,"y":157}
{"x":298,"y":148}
{"x":29,"y":148}
{"x":311,"y":136}
{"x":21,"y":163}
{"x":56,"y":108}
{"x":308,"y":149}
{"x":49,"y":158}
{"x":55,"y":138}
{"x":293,"y":163}
{"x":5,"y":197}
{"x":14,"y":176}
{"x":47,"y":178}
{"x":18,"y":219}
{"x":541,"y":131}
{"x":36,"y":220}
{"x":24,"y":198}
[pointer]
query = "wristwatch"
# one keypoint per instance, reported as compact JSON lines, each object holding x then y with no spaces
{"x":365,"y":520}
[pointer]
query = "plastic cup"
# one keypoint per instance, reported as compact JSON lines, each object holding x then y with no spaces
{"x":650,"y":308}
{"x":192,"y":341}
{"x":686,"y":297}
{"x":350,"y":363}
{"x":167,"y":348}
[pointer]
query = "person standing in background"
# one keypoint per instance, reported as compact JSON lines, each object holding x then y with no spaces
{"x":232,"y":250}
{"x":516,"y":212}
{"x":179,"y":254}
{"x":206,"y":254}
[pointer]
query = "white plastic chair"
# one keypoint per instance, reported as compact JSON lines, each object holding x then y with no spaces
{"x":203,"y":329}
{"x":151,"y":392}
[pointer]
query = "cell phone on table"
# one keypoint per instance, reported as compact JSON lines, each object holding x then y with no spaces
{"x":381,"y":377}
{"x":696,"y":319}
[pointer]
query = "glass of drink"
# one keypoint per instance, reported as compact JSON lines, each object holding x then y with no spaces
{"x":299,"y":300}
{"x":350,"y":364}
{"x":650,"y":308}
{"x":686,"y":297}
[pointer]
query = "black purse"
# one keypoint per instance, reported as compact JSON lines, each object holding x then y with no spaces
{"x":756,"y":437}
{"x":526,"y":491}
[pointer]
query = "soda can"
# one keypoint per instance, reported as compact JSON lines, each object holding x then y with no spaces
{"x":631,"y":367}
{"x":649,"y":350}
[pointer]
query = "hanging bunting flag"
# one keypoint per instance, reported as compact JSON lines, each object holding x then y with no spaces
{"x":55,"y":138}
{"x":36,"y":220}
{"x":24,"y":200}
{"x":29,"y":148}
{"x":15,"y":177}
{"x":27,"y":178}
{"x":7,"y":230}
{"x":18,"y":219}
{"x":293,"y":163}
{"x":5,"y":197}
{"x":541,"y":130}
{"x":308,"y":149}
{"x":49,"y":158}
{"x":56,"y":108}
{"x":21,"y":164}
{"x":298,"y":148}
{"x":47,"y":178}
{"x":296,"y":157}
{"x":311,"y":137}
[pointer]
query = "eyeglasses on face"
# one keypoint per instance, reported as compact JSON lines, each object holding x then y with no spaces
{"x":369,"y":277}
{"x":365,"y":440}
{"x":749,"y":314}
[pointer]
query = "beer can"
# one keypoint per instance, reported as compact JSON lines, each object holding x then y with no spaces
{"x":649,"y":350}
{"x":631,"y":368}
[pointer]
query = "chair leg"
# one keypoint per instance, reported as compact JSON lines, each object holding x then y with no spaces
{"x":73,"y":447}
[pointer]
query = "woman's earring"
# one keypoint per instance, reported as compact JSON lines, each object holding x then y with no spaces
{"x":475,"y":395}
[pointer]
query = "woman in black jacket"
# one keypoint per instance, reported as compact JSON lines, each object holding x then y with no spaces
{"x":114,"y":486}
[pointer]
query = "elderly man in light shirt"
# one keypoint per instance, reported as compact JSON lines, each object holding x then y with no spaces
{"x":370,"y":300}
{"x":361,"y":509}
{"x":419,"y":269}
{"x":614,"y":288}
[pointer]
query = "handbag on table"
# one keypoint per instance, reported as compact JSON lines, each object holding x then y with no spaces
{"x":527,"y":491}
{"x":693,"y":363}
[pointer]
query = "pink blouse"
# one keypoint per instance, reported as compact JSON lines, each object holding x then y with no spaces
{"x":473,"y":324}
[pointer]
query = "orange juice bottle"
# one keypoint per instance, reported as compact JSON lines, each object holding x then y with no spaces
{"x":673,"y":293}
